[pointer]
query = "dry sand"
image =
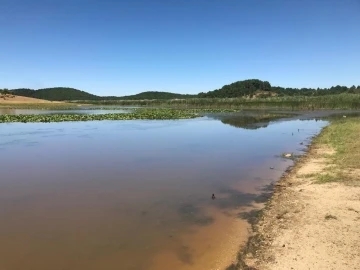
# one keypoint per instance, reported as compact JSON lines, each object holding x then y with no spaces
{"x":11,"y":99}
{"x":308,"y":225}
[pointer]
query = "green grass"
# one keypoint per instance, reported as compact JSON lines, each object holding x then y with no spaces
{"x":322,"y":178}
{"x":308,"y":175}
{"x":340,"y":101}
{"x":41,"y":106}
{"x":343,"y":136}
{"x":327,"y":178}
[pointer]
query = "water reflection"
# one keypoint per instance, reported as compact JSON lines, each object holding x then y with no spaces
{"x":245,"y":122}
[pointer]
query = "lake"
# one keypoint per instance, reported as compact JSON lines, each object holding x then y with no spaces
{"x":136,"y":194}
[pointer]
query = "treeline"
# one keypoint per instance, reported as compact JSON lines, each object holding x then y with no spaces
{"x":336,"y":101}
{"x":238,"y":89}
{"x":316,"y":92}
{"x":5,"y":91}
{"x":258,"y":88}
{"x":153,"y":95}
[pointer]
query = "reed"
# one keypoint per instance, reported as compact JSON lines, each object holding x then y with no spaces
{"x":339,"y":101}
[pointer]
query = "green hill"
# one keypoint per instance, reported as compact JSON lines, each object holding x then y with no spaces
{"x":156,"y":95}
{"x":260,"y":88}
{"x":238,"y":89}
{"x":246,"y":88}
{"x":64,"y":93}
{"x":55,"y":94}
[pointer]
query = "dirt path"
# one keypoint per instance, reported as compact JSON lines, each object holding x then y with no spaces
{"x":307,"y":224}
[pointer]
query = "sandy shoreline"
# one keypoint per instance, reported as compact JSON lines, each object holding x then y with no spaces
{"x":307,"y":225}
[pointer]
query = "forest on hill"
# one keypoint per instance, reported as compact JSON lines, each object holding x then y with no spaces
{"x":246,"y":88}
{"x":55,"y":94}
{"x":65,"y":93}
{"x":251,"y":87}
{"x":155,"y":95}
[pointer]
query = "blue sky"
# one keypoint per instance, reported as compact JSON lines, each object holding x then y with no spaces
{"x":110,"y":47}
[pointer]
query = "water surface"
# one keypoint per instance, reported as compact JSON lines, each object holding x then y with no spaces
{"x":135,"y":194}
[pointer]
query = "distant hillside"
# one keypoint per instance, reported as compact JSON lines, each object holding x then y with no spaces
{"x":64,"y":93}
{"x":258,"y":88}
{"x":156,"y":95}
{"x":55,"y":94}
{"x":238,"y":89}
{"x":248,"y":88}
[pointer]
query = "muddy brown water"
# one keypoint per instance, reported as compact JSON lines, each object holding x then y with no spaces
{"x":135,"y":194}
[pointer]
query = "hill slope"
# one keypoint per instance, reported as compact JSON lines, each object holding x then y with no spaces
{"x":256,"y":87}
{"x":238,"y":89}
{"x":63,"y":93}
{"x":246,"y":88}
{"x":12,"y":99}
{"x":156,"y":95}
{"x":55,"y":94}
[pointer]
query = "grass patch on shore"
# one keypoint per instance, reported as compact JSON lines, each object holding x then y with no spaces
{"x":40,"y":106}
{"x":327,"y":178}
{"x":339,"y":101}
{"x":342,"y":136}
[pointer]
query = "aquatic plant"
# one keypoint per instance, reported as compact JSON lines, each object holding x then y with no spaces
{"x":158,"y":114}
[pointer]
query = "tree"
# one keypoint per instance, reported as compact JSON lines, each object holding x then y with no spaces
{"x":6,"y":91}
{"x":352,"y":89}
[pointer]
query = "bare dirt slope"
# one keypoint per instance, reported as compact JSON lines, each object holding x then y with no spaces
{"x":311,"y":225}
{"x":12,"y":99}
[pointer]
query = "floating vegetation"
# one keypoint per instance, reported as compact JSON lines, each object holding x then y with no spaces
{"x":144,"y":114}
{"x":151,"y":114}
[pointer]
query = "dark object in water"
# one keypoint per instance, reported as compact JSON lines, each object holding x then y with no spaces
{"x":213,"y":197}
{"x":298,"y":130}
{"x":271,"y":168}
